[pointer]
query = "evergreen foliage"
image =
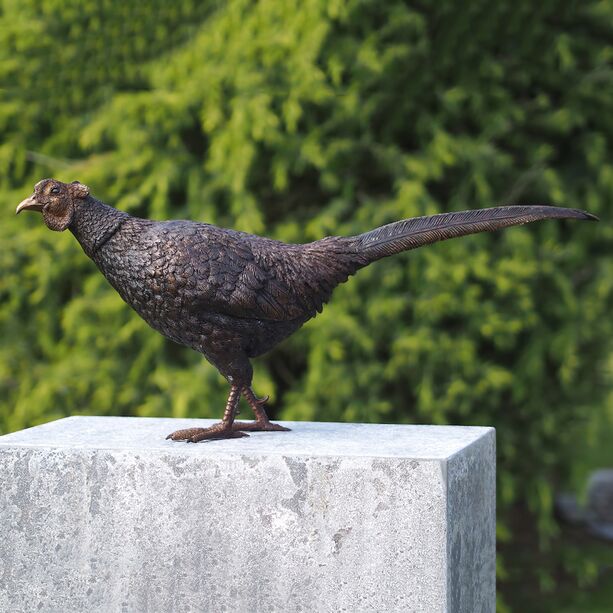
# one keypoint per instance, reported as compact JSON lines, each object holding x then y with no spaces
{"x":303,"y":119}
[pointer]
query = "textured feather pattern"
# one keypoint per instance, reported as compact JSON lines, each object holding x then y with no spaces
{"x":418,"y":231}
{"x":234,"y":296}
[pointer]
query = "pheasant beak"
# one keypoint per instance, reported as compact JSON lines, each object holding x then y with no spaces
{"x":29,"y":204}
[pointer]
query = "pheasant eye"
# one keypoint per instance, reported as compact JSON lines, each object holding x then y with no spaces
{"x":55,"y":190}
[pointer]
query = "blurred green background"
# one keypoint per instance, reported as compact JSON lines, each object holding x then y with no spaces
{"x":303,"y":119}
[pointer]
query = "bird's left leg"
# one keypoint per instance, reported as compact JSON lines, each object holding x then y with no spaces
{"x":261,"y":423}
{"x":221,"y":430}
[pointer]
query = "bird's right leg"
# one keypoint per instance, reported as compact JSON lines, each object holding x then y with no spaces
{"x":261,"y":423}
{"x":218,"y":431}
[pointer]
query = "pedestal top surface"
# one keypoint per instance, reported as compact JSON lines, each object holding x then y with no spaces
{"x":147,"y":435}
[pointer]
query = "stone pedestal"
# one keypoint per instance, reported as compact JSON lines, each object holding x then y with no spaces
{"x":102,"y":514}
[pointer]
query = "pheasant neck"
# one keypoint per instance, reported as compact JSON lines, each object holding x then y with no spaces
{"x":94,"y":222}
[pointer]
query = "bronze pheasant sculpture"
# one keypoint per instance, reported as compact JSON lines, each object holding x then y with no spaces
{"x":233,"y":296}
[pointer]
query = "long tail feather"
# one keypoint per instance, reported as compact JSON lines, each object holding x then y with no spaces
{"x":418,"y":231}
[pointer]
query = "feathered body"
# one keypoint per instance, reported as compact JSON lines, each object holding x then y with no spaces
{"x":228,"y":294}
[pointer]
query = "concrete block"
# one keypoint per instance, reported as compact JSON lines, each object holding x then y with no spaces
{"x":102,"y":514}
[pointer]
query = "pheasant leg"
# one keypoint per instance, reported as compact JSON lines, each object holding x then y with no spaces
{"x":261,"y":423}
{"x":224,"y":429}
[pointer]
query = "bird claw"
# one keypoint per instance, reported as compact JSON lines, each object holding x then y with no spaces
{"x":195,"y":435}
{"x":224,"y":429}
{"x":259,"y":426}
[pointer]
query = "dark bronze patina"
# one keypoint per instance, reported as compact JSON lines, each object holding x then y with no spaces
{"x":233,"y":296}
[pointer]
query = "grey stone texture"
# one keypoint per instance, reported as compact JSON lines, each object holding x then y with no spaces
{"x":102,"y":514}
